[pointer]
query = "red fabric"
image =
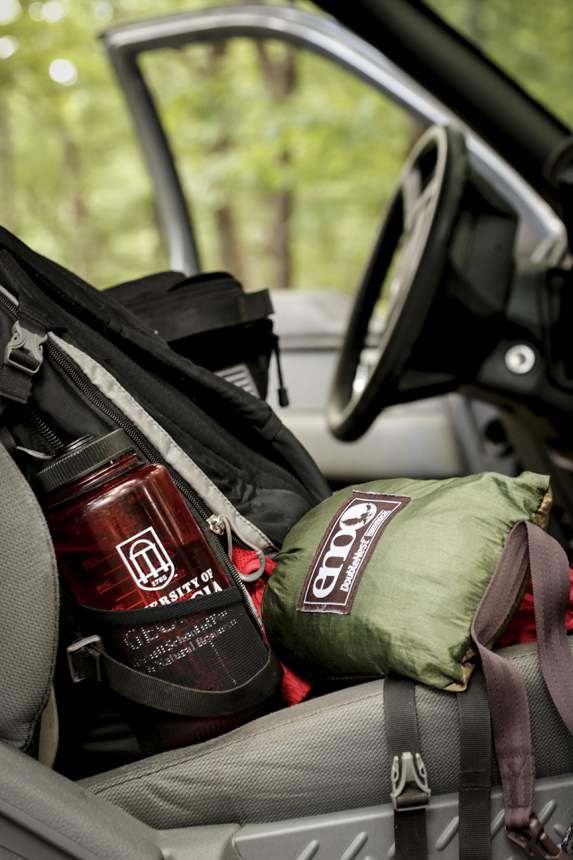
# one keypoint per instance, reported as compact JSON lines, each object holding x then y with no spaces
{"x":294,"y":688}
{"x":521,"y":628}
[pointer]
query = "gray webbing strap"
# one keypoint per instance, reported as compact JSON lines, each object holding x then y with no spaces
{"x":475,"y":772}
{"x":410,"y":791}
{"x":528,"y":548}
{"x":21,"y":358}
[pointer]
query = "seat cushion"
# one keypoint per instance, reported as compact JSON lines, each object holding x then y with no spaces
{"x":30,"y":607}
{"x":325,"y":755}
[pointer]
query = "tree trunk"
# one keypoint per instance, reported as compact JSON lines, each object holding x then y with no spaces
{"x":282,"y":204}
{"x":474,"y":20}
{"x":80,"y":246}
{"x":6,"y":168}
{"x":229,"y":246}
{"x":281,"y":78}
{"x":230,"y":251}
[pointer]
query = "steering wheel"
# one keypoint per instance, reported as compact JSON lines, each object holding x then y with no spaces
{"x":410,"y":253}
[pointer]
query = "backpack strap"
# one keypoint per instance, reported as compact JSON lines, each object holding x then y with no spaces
{"x":475,"y":772}
{"x":528,"y":549}
{"x":410,"y":789}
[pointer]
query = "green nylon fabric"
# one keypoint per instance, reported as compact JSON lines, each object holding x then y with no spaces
{"x":421,"y":587}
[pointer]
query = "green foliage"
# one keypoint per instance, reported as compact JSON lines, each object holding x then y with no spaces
{"x":529,"y":39}
{"x":75,"y":187}
{"x":345,"y":146}
{"x":327,"y":150}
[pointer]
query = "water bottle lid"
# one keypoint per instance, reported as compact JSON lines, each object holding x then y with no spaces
{"x":81,"y":457}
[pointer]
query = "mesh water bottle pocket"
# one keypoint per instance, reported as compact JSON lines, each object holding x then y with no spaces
{"x":217,"y":650}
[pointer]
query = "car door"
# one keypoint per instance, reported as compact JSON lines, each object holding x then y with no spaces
{"x":227,"y":103}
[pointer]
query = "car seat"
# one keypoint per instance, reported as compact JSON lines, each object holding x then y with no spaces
{"x":309,"y":781}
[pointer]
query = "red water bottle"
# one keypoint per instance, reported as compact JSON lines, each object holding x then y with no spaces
{"x":125,"y":539}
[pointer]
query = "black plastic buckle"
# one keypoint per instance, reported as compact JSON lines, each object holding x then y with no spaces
{"x":24,"y":350}
{"x":84,"y":659}
{"x":410,"y":787}
{"x":535,"y":842}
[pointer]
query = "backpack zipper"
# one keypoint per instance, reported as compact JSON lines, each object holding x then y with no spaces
{"x":43,"y":429}
{"x":220,"y":525}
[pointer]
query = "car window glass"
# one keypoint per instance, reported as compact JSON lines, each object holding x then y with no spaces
{"x":72,"y":180}
{"x":287,"y":161}
{"x":530,"y":40}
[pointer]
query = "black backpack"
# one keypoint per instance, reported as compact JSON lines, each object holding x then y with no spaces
{"x":74,"y":358}
{"x":75,"y":362}
{"x":210,"y":319}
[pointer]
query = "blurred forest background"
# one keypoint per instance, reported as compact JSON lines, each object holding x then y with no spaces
{"x":287,"y":161}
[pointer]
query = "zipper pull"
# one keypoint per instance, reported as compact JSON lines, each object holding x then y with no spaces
{"x":220,"y":525}
{"x":256,"y":574}
{"x":282,"y":391}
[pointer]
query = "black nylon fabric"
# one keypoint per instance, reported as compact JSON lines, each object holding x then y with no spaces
{"x":185,"y":701}
{"x":235,"y":438}
{"x":207,"y":318}
{"x":475,"y":772}
{"x":181,"y":609}
{"x":404,"y":737}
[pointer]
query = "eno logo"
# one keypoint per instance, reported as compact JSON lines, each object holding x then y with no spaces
{"x":146,"y":559}
{"x":344,"y":551}
{"x":353,"y":520}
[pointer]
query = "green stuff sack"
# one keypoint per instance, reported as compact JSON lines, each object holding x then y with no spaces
{"x":387,"y":576}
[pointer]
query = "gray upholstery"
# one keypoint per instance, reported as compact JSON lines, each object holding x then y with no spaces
{"x":321,"y":756}
{"x":326,"y":755}
{"x":368,"y":833}
{"x":44,"y":815}
{"x":29,"y":601}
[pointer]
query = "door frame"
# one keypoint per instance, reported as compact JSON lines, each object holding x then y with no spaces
{"x":542,"y":233}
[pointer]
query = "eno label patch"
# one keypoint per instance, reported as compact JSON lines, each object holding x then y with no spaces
{"x":343,"y":553}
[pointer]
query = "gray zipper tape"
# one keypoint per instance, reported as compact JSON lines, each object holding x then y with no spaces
{"x":167,"y":447}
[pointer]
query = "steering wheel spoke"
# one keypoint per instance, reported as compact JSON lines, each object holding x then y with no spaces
{"x":417,"y":200}
{"x":409,"y":259}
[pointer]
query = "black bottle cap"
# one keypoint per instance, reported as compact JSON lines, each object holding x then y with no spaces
{"x":81,"y":457}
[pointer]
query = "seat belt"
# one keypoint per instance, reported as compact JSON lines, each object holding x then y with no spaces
{"x":528,"y":548}
{"x":474,"y":832}
{"x":410,"y":793}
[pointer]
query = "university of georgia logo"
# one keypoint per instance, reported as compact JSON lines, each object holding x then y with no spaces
{"x":344,"y":550}
{"x":146,"y":559}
